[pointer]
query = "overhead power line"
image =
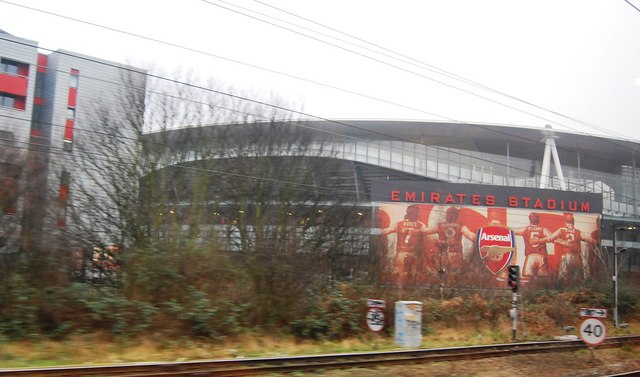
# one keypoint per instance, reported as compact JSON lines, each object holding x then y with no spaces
{"x":632,"y":5}
{"x":286,"y":74}
{"x":263,"y":103}
{"x":412,"y":61}
{"x":286,"y":109}
{"x":199,"y":87}
{"x":235,"y":61}
{"x":205,"y":53}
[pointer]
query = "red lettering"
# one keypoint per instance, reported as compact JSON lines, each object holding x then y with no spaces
{"x":538,"y":204}
{"x":551,"y":204}
{"x":489,"y":200}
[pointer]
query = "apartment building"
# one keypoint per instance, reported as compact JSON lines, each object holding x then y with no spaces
{"x":49,"y":103}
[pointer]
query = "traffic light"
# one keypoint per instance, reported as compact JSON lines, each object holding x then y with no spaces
{"x":514,"y":277}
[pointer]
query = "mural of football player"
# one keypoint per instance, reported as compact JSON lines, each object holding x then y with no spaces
{"x":535,"y":249}
{"x":570,"y":238}
{"x":410,"y":240}
{"x":449,"y":242}
{"x":596,"y":257}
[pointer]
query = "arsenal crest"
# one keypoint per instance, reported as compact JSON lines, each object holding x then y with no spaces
{"x":496,"y":246}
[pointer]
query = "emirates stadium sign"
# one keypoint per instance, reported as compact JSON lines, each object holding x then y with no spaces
{"x":441,"y":193}
{"x":444,"y":234}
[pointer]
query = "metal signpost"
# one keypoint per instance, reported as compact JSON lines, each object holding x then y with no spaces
{"x":616,"y":268}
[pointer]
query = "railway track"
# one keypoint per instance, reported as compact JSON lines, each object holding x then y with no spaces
{"x":258,"y":366}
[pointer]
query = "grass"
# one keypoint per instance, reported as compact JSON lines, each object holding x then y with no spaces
{"x":100,"y":349}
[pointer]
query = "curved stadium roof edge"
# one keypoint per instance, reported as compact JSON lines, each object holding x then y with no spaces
{"x":521,"y":141}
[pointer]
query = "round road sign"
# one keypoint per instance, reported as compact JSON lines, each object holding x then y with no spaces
{"x":592,"y":331}
{"x":375,"y":319}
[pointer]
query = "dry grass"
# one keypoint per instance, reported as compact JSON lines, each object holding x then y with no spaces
{"x":98,"y":349}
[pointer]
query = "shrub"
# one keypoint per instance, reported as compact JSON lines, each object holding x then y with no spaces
{"x":328,"y":315}
{"x":108,"y":310}
{"x":18,"y":309}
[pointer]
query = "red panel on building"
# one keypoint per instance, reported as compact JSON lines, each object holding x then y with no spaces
{"x":23,"y":70}
{"x":68,"y":130}
{"x":11,"y":84}
{"x":64,"y":194}
{"x":42,"y":63}
{"x":73,"y":93}
{"x":21,"y":103}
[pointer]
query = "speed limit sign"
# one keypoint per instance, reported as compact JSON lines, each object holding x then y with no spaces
{"x":592,"y":331}
{"x":375,"y":319}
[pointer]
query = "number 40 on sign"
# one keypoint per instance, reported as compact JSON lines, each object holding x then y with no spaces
{"x":593,"y":331}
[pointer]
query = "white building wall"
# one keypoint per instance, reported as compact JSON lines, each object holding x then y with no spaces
{"x":15,"y":129}
{"x":101,"y":86}
{"x":18,"y":122}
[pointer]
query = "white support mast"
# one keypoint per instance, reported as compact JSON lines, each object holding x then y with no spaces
{"x":550,"y":150}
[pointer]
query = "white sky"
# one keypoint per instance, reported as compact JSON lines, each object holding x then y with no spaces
{"x":577,"y":58}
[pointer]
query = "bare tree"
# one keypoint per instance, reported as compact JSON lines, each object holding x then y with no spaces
{"x":219,"y":193}
{"x":11,"y":183}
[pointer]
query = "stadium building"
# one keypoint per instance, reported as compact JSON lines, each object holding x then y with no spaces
{"x":489,"y":173}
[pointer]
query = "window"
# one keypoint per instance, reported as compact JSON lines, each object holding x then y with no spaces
{"x":6,"y":136}
{"x":67,"y":143}
{"x":73,"y":88}
{"x":37,"y":126}
{"x":65,"y":178}
{"x":13,"y":84}
{"x":9,"y":66}
{"x":14,"y":68}
{"x":7,"y":100}
{"x":73,"y":79}
{"x":39,"y":85}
